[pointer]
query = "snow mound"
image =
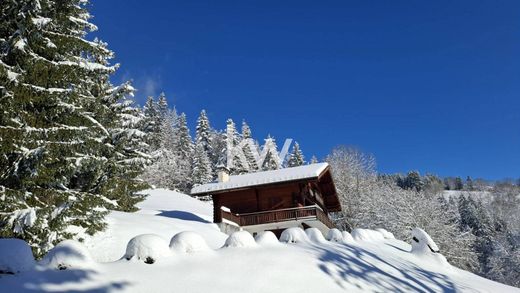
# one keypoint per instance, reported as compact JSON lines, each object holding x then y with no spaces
{"x":315,"y":235}
{"x":347,"y":237}
{"x":366,"y":235}
{"x":240,"y":239}
{"x":334,"y":235}
{"x":386,"y":234}
{"x":266,"y":238}
{"x":148,"y":248}
{"x":423,"y":246}
{"x":188,"y":242}
{"x":68,"y":254}
{"x":15,"y":256}
{"x":294,"y":235}
{"x":422,"y":242}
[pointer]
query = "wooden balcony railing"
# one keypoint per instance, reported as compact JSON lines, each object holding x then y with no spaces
{"x":291,"y":214}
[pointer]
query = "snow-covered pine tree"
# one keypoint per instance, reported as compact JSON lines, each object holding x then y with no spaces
{"x":55,"y":135}
{"x":234,"y":163}
{"x":313,"y":160}
{"x":183,"y":153}
{"x":296,"y":157}
{"x":249,"y":148}
{"x":151,"y":124}
{"x":270,"y":155}
{"x":162,"y":106}
{"x":203,"y":137}
{"x":128,"y":157}
{"x":201,"y":169}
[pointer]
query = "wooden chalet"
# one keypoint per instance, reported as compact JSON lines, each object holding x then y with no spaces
{"x":273,"y":200}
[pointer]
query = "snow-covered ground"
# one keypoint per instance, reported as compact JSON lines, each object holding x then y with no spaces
{"x":312,"y":264}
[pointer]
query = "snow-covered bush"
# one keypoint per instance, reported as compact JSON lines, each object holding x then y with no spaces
{"x":386,"y":234}
{"x":15,"y":256}
{"x":68,"y":254}
{"x":334,"y":235}
{"x":422,"y":242}
{"x":347,"y":237}
{"x":188,"y":242}
{"x":423,"y":246}
{"x":366,"y":235}
{"x":147,"y":248}
{"x":266,"y":238}
{"x":294,"y":235}
{"x":240,"y":239}
{"x":315,"y":235}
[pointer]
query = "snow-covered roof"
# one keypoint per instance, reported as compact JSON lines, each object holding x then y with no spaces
{"x":262,"y":178}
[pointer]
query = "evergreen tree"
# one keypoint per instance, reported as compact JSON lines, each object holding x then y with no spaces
{"x":183,"y":153}
{"x":270,"y":155}
{"x":249,"y":148}
{"x":201,"y":170}
{"x":203,"y":137}
{"x":296,"y":157}
{"x":314,"y":160}
{"x":246,"y":131}
{"x":458,"y":183}
{"x":151,"y":124}
{"x":58,"y":119}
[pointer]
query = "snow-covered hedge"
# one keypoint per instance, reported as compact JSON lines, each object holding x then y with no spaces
{"x":240,"y":239}
{"x":366,"y":235}
{"x":15,"y":256}
{"x":266,"y":238}
{"x":334,"y":235}
{"x":148,"y":248}
{"x":68,"y":254}
{"x":315,"y":235}
{"x":188,"y":242}
{"x":294,"y":235}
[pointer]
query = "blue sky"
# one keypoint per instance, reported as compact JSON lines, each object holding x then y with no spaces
{"x":432,"y":86}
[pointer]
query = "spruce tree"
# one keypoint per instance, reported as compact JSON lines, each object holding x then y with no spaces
{"x":58,"y":118}
{"x":296,"y":157}
{"x":201,"y":170}
{"x":249,"y":148}
{"x":314,"y":160}
{"x":270,"y":155}
{"x":183,"y":153}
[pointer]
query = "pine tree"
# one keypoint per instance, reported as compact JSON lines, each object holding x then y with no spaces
{"x":296,"y":157}
{"x":183,"y":153}
{"x":151,"y":124}
{"x":270,"y":155}
{"x":201,"y":170}
{"x":246,"y":131}
{"x":314,"y":160}
{"x":249,"y":148}
{"x":58,"y":118}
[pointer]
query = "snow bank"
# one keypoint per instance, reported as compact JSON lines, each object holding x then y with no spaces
{"x":315,"y":235}
{"x":15,"y":256}
{"x":366,"y":235}
{"x":68,"y":254}
{"x":266,"y":238}
{"x":188,"y":242}
{"x":386,"y":234}
{"x":294,"y":235}
{"x":334,"y":235}
{"x":148,"y":248}
{"x":240,"y":239}
{"x":347,"y":237}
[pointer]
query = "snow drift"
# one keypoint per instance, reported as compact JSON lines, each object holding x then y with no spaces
{"x":266,"y":238}
{"x":240,"y":239}
{"x":294,"y":235}
{"x":15,"y":256}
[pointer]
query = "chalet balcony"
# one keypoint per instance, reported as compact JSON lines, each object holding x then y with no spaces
{"x":312,"y":216}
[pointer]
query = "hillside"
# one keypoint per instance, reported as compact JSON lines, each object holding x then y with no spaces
{"x":313,"y":266}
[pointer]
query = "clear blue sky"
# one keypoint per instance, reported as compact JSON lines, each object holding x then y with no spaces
{"x":427,"y":85}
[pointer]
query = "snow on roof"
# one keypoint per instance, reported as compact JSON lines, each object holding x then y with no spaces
{"x":265,"y":177}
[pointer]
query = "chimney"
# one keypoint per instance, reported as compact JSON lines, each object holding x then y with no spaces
{"x":223,"y":174}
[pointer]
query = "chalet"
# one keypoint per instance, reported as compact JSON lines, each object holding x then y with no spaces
{"x":273,"y":200}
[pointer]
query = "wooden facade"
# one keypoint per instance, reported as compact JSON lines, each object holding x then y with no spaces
{"x":303,"y":200}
